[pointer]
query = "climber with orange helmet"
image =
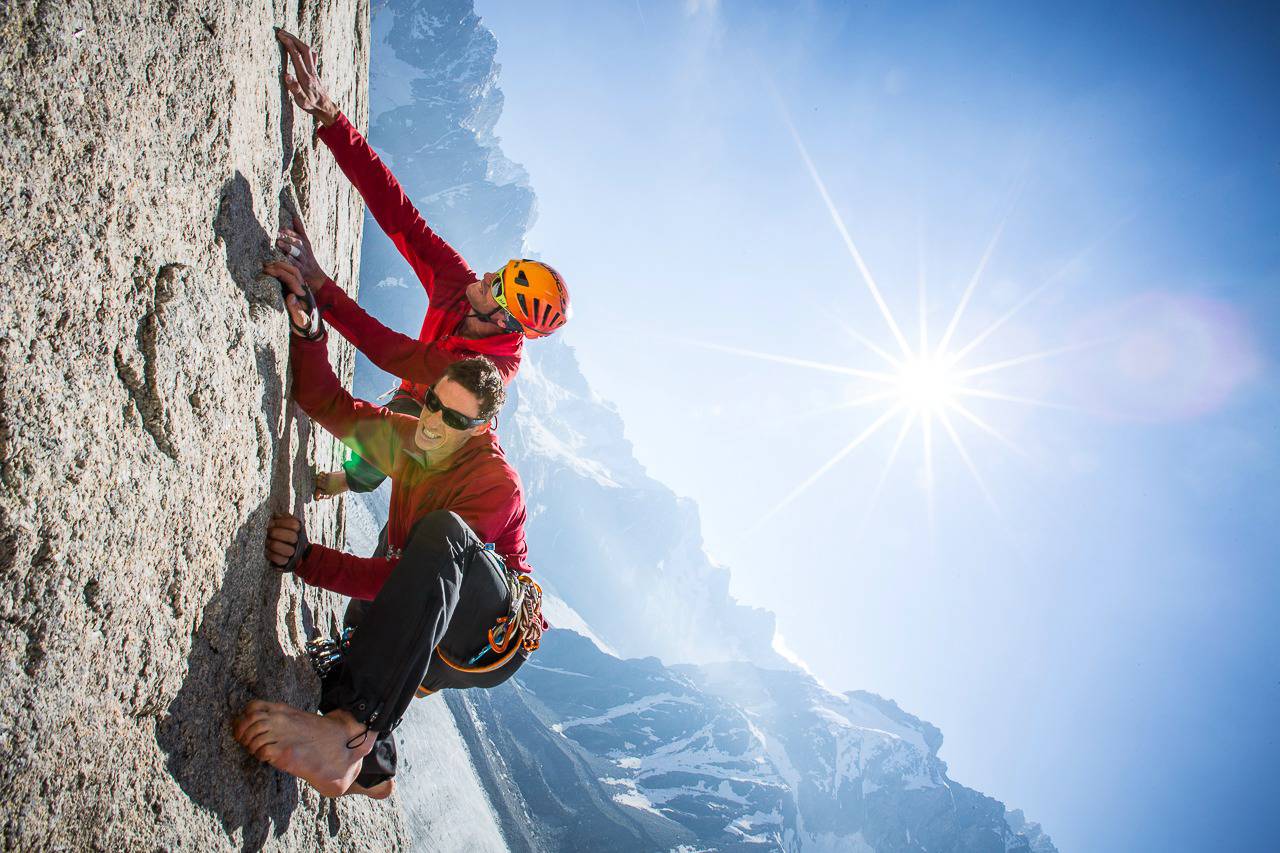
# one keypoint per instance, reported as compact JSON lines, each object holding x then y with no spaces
{"x":467,"y":314}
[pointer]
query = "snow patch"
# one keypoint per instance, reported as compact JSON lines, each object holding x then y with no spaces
{"x":366,"y":514}
{"x":636,"y":707}
{"x":544,"y":442}
{"x":630,"y":795}
{"x":556,"y":670}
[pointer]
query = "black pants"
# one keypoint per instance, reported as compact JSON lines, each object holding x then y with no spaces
{"x":363,"y":477}
{"x":446,"y":592}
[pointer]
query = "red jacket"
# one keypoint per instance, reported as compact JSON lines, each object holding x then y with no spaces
{"x":476,"y":481}
{"x":443,"y":273}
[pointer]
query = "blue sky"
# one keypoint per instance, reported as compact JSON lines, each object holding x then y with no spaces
{"x":1096,"y":639}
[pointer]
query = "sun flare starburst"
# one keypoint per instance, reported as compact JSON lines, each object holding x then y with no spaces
{"x":926,"y":385}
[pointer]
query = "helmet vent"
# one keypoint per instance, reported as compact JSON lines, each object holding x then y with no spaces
{"x":521,"y":278}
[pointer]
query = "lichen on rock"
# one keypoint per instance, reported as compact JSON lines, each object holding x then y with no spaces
{"x":150,"y":154}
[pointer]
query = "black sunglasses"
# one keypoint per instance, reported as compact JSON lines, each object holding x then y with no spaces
{"x":451,"y":417}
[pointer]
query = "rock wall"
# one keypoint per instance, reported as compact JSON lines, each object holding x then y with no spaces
{"x":148,"y":156}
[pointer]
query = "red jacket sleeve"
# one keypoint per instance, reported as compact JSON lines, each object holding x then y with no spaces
{"x":358,"y":577}
{"x":373,"y":432}
{"x":434,"y":261}
{"x":420,"y":362}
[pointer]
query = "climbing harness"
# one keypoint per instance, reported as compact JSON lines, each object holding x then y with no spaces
{"x":519,"y":630}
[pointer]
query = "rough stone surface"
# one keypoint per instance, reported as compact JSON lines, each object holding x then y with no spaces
{"x":148,"y":156}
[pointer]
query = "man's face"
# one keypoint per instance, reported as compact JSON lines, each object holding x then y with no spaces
{"x":480,"y":295}
{"x":436,"y":438}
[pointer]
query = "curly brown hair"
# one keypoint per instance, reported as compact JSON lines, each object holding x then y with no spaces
{"x":481,"y":378}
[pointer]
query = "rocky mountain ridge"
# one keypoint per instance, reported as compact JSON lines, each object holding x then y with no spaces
{"x":584,"y":750}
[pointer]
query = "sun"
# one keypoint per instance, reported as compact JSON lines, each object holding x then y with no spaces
{"x":924,"y":386}
{"x":928,"y":385}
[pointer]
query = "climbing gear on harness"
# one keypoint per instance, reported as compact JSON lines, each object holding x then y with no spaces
{"x":327,"y":652}
{"x":519,"y":630}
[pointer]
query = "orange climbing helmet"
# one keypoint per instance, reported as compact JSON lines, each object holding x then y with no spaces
{"x":534,"y":294}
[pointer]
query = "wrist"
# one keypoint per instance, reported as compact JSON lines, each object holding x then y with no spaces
{"x":326,"y":113}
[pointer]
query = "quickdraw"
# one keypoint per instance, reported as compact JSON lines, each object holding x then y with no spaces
{"x":328,"y":652}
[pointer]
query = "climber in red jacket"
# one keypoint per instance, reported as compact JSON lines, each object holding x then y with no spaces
{"x":467,"y":314}
{"x":451,"y":603}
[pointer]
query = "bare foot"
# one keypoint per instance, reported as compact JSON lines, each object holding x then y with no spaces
{"x":306,"y":745}
{"x":380,"y":791}
{"x":331,"y":484}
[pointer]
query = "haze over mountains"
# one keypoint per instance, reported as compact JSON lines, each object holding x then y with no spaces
{"x":678,"y":725}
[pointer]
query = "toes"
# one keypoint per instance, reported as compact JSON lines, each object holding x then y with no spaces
{"x":255,"y":729}
{"x":241,"y":723}
{"x":246,"y":730}
{"x":260,"y":740}
{"x":269,"y":753}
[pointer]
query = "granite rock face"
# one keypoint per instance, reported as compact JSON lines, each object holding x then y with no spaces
{"x":145,"y":433}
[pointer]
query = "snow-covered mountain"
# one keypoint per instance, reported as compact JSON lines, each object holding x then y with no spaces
{"x":584,"y":751}
{"x":677,"y":727}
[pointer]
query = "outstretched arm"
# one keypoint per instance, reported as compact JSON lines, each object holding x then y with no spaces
{"x":429,"y":255}
{"x":288,"y":550}
{"x":343,"y":573}
{"x":375,"y":433}
{"x":397,"y":354}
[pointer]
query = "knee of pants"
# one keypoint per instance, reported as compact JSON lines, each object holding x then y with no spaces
{"x":442,"y":525}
